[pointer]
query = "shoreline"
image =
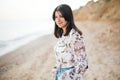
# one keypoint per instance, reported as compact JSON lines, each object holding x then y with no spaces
{"x":12,"y":45}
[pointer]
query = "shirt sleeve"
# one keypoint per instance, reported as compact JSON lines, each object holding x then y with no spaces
{"x":56,"y":63}
{"x":80,"y":55}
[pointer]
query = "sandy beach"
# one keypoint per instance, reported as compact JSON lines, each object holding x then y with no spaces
{"x":35,"y":60}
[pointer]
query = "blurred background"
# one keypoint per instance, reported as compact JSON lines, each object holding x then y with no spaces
{"x":25,"y":20}
{"x":27,"y":40}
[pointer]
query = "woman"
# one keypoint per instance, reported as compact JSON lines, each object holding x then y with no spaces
{"x":71,"y":62}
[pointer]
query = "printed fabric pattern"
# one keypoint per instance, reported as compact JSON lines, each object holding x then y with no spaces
{"x":70,"y":51}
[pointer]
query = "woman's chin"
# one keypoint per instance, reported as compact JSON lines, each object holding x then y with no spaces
{"x":60,"y":26}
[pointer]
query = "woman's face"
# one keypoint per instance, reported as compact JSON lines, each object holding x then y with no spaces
{"x":60,"y":20}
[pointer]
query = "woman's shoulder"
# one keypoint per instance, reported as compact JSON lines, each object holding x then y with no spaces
{"x":75,"y":34}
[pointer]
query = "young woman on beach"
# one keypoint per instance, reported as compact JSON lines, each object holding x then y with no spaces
{"x":71,"y":62}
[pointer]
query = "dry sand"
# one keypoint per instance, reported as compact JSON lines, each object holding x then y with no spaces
{"x":34,"y":61}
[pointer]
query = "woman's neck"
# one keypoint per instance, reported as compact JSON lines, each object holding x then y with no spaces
{"x":64,"y":30}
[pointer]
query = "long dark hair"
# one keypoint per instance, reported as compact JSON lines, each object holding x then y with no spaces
{"x":66,"y":12}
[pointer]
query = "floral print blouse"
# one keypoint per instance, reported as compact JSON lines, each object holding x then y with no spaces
{"x":70,"y":51}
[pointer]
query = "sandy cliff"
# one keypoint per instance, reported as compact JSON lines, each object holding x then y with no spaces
{"x":101,"y":10}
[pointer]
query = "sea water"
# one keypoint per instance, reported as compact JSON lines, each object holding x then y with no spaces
{"x":16,"y":34}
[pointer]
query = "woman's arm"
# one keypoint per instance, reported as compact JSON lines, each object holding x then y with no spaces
{"x":79,"y":52}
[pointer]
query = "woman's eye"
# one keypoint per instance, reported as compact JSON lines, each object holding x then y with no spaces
{"x":61,"y":16}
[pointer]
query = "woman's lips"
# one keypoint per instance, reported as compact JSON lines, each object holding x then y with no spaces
{"x":60,"y":23}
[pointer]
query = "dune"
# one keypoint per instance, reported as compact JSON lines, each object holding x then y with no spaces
{"x":101,"y":10}
{"x":103,"y":50}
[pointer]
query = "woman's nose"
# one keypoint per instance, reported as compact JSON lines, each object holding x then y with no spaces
{"x":58,"y":19}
